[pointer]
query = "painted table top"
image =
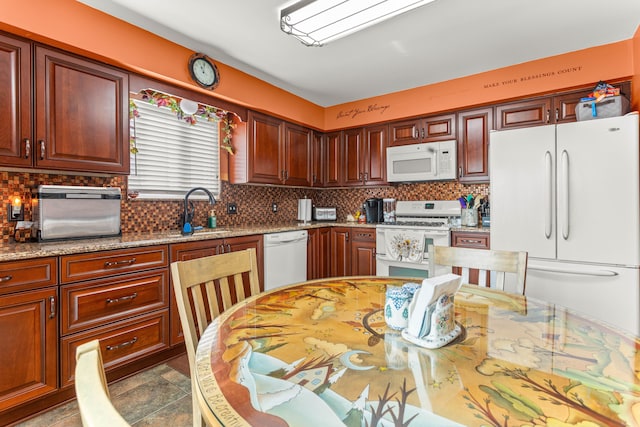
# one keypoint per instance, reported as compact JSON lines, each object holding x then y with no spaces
{"x":319,"y":354}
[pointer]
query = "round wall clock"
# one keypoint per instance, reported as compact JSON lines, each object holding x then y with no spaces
{"x":203,"y":71}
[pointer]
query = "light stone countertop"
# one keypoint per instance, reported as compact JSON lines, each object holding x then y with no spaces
{"x":12,"y":251}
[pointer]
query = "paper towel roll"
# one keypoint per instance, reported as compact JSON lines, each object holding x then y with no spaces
{"x":304,"y":210}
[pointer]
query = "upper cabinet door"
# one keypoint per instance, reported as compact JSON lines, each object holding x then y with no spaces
{"x":333,"y":171}
{"x":374,"y":156}
{"x":82,"y":114}
{"x":297,"y":155}
{"x":265,"y":165}
{"x":473,"y":144}
{"x":428,"y":129}
{"x":534,"y":112}
{"x":317,"y":160}
{"x":15,"y":105}
{"x":352,"y":155}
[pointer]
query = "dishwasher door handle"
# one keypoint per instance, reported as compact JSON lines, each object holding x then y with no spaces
{"x":282,"y":242}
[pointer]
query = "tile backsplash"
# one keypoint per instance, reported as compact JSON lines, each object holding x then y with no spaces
{"x":254,"y":202}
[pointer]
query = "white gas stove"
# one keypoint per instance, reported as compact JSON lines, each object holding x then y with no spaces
{"x":402,"y":246}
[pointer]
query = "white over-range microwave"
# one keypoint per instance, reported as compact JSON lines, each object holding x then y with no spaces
{"x":430,"y":161}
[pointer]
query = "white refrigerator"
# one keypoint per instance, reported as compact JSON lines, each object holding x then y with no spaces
{"x":569,"y":195}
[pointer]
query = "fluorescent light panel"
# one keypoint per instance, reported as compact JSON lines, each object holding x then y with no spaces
{"x":316,"y":22}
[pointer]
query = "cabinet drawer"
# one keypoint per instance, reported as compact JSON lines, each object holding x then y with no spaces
{"x":96,"y":265}
{"x":95,"y":303}
{"x":28,"y":274}
{"x":470,"y":240}
{"x":363,"y":234}
{"x":120,"y":343}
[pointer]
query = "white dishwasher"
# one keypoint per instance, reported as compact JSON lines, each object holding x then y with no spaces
{"x":285,"y":258}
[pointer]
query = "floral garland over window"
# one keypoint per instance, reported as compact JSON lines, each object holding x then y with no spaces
{"x":206,"y":112}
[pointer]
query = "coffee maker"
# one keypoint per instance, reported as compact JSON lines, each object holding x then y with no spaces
{"x":374,"y":210}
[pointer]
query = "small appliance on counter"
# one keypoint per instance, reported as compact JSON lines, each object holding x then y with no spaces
{"x":304,"y":210}
{"x":374,"y":210}
{"x":70,"y":212}
{"x":324,"y":214}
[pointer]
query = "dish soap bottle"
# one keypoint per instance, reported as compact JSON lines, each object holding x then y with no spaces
{"x":211,"y":221}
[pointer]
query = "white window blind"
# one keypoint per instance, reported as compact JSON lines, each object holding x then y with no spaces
{"x":173,"y":155}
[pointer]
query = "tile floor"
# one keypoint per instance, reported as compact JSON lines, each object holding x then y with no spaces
{"x":159,"y":396}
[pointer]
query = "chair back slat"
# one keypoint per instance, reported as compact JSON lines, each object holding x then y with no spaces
{"x":485,"y":260}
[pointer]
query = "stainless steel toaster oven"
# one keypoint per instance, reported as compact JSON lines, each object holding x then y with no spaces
{"x":68,"y":212}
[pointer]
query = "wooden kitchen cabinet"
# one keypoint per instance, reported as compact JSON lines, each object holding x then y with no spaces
{"x":78,"y":110}
{"x":340,"y":252}
{"x":364,"y":156}
{"x":121,"y":298}
{"x":202,"y":248}
{"x":352,"y":251}
{"x":473,"y":240}
{"x":333,"y":164}
{"x":363,"y":252}
{"x":473,"y":144}
{"x":15,"y":110}
{"x":556,"y":108}
{"x":81,"y":114}
{"x":29,"y":351}
{"x":277,"y":152}
{"x":296,"y":154}
{"x":428,"y":129}
{"x":318,"y":245}
{"x":29,"y":313}
{"x":317,"y":160}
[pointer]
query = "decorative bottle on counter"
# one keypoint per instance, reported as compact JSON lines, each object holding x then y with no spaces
{"x":211,"y":221}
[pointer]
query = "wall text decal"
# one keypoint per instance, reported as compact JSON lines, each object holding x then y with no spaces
{"x":526,"y":78}
{"x":352,"y":113}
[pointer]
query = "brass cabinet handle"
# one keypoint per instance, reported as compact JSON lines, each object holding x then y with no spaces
{"x":119,"y":263}
{"x":124,"y":344}
{"x":124,"y":298}
{"x":27,"y":148}
{"x":43,"y":149}
{"x":6,"y":278}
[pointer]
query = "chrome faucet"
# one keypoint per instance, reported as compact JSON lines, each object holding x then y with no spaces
{"x":189,"y":210}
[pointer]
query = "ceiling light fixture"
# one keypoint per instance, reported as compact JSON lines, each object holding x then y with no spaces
{"x":316,"y":22}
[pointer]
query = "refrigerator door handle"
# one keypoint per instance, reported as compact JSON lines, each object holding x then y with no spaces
{"x":597,"y":273}
{"x":564,"y":197}
{"x":549,"y":188}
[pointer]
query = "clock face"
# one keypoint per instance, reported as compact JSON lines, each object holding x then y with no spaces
{"x":203,"y":72}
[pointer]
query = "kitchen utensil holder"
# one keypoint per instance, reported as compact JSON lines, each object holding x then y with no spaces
{"x":469,"y":217}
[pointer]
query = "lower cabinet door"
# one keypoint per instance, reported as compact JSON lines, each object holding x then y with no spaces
{"x":121,"y":343}
{"x":29,"y":349}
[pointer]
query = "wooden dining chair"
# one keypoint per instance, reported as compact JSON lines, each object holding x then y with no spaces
{"x":484,"y":260}
{"x":204,"y":288}
{"x":96,"y":409}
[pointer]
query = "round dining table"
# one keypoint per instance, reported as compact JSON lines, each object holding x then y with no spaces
{"x":319,"y":353}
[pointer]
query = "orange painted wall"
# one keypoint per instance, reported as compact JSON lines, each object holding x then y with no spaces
{"x":74,"y":26}
{"x":579,"y":68}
